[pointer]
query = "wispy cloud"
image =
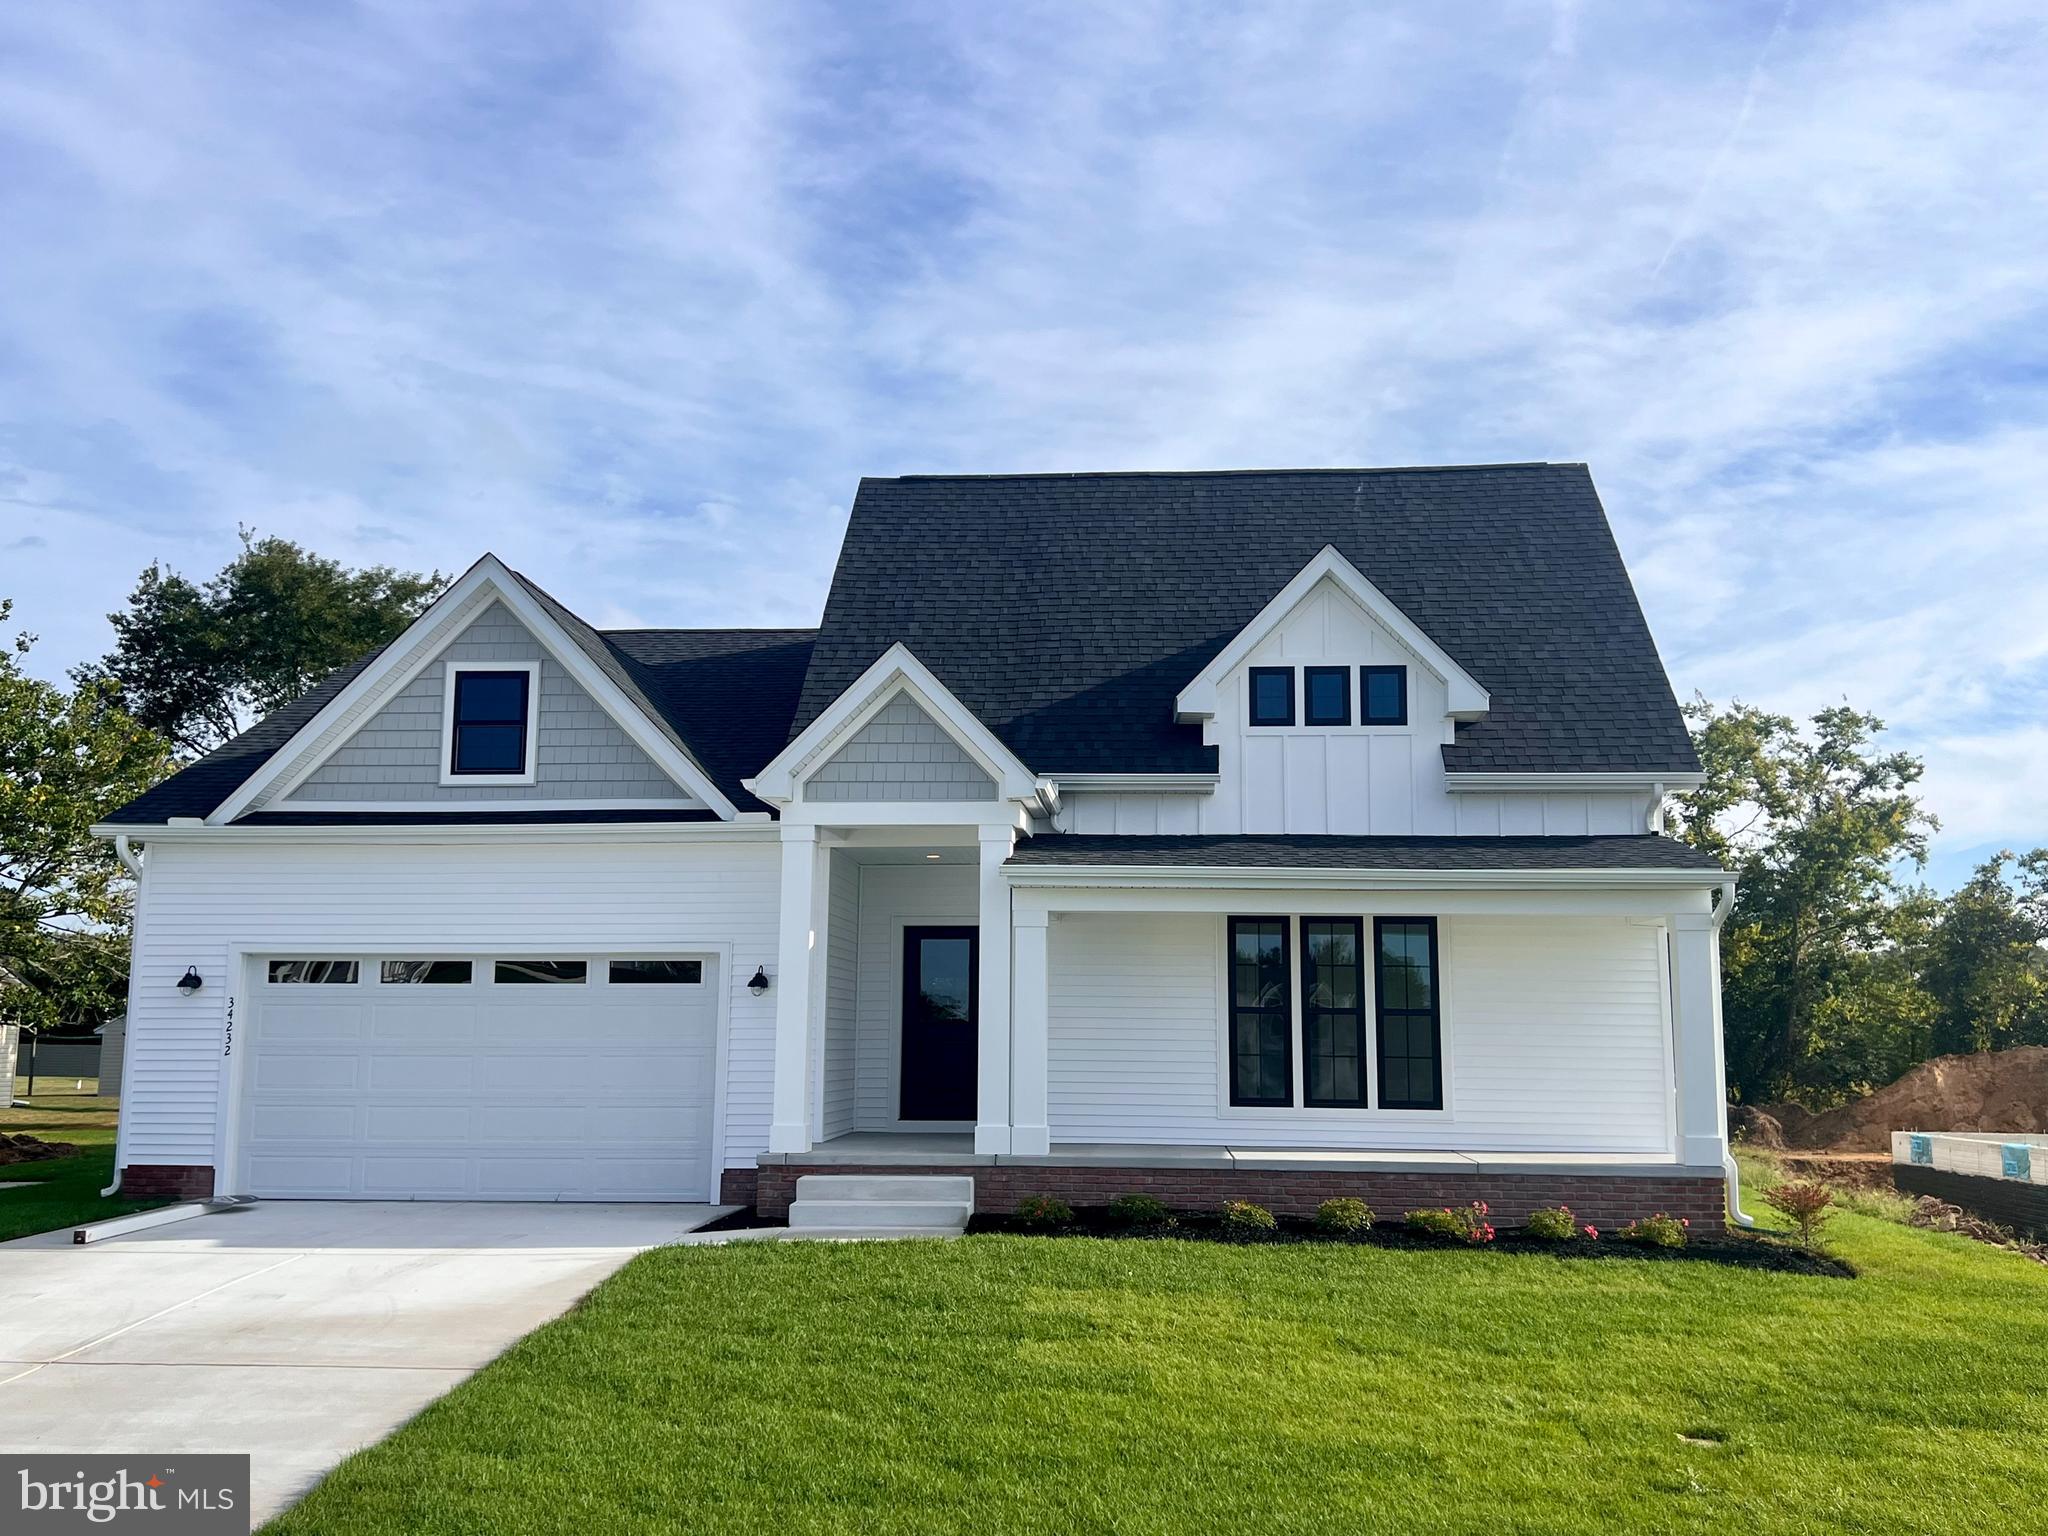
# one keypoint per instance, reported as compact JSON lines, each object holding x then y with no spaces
{"x":634,"y":293}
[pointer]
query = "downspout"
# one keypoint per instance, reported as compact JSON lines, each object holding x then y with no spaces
{"x":130,"y":861}
{"x":1725,"y":904}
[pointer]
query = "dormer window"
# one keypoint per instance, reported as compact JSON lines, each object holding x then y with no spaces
{"x":1326,"y":695}
{"x":1272,"y":696}
{"x":1383,"y":695}
{"x":490,"y":723}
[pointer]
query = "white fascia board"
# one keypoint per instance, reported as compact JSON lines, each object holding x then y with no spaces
{"x":412,"y":652}
{"x":452,"y":832}
{"x":1139,"y":783}
{"x":1226,"y":878}
{"x":1513,"y":783}
{"x":1197,"y":701}
{"x":895,"y":671}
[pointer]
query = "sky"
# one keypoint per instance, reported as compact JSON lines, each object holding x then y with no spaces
{"x":633,"y":294}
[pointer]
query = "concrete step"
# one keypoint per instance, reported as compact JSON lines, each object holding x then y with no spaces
{"x":951,"y":1214}
{"x":860,"y":1234}
{"x":885,"y":1186}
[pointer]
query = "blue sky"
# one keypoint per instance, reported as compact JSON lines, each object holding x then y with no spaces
{"x":633,"y":294}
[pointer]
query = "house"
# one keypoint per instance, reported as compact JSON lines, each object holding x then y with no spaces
{"x":1273,"y":834}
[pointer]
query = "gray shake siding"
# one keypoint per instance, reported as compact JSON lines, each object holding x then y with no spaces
{"x":397,"y":753}
{"x":901,"y":754}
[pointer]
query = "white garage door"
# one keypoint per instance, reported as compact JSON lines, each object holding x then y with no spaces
{"x":498,"y":1077}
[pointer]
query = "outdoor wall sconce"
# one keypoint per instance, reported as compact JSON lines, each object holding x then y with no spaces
{"x":190,"y":982}
{"x":758,"y":983}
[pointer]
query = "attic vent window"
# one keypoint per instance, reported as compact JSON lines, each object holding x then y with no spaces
{"x":1383,"y":695}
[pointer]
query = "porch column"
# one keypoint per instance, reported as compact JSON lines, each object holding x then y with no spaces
{"x":1697,"y":1057}
{"x":790,"y":1129}
{"x":1029,"y":1032}
{"x":992,"y":1001}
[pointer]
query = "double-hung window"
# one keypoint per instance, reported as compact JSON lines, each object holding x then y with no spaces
{"x":1366,"y":1025}
{"x":490,"y":727}
{"x":1261,"y":1047}
{"x":1406,"y":995}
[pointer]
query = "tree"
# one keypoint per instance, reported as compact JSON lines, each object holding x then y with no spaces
{"x":1986,"y":970}
{"x":197,"y":664}
{"x":66,"y":760}
{"x":1820,"y":992}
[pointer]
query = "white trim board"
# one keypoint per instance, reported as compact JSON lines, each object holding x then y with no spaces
{"x":528,"y":772}
{"x":412,"y":652}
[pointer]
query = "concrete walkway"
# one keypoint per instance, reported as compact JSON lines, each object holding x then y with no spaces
{"x":297,"y":1331}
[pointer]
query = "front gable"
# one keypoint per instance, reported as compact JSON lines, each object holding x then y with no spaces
{"x":398,"y":755}
{"x":380,"y":742}
{"x":902,"y":753}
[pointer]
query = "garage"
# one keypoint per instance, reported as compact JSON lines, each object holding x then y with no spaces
{"x":528,"y":1076}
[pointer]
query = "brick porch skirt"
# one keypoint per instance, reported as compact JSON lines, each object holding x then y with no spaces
{"x":1604,"y":1200}
{"x":174,"y":1181}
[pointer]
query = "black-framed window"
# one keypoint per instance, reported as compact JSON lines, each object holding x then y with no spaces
{"x":1272,"y":695}
{"x":1333,"y":1013}
{"x":491,"y":710}
{"x":1261,"y":1012}
{"x":329,"y":973}
{"x":1383,"y":695}
{"x":1409,"y":1014}
{"x":657,"y":973}
{"x":1326,"y":695}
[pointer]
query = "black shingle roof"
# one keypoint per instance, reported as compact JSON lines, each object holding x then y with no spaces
{"x":1067,"y":611}
{"x":1638,"y":851}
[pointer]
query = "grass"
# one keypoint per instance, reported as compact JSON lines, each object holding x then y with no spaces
{"x":1067,"y":1385}
{"x":64,"y":1191}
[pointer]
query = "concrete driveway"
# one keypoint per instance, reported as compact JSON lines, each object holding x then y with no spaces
{"x":296,"y":1331}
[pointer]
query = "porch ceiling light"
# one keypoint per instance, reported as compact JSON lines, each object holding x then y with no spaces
{"x":758,"y":982}
{"x":190,"y":982}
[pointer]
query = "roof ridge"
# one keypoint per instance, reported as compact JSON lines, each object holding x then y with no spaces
{"x":1190,"y":474}
{"x":712,"y":629}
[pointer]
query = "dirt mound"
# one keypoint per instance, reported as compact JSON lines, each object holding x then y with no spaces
{"x":31,"y":1149}
{"x":1989,"y":1091}
{"x":1755,"y":1127}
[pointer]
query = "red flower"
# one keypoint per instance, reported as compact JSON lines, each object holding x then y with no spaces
{"x":1593,"y":1232}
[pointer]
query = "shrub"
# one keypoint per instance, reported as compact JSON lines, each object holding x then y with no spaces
{"x":1044,"y":1211}
{"x":1243,"y":1219}
{"x":1343,"y":1215}
{"x":1806,"y":1203}
{"x":1140,"y":1211}
{"x":1466,"y":1223}
{"x":1658,"y":1231}
{"x":1554,"y":1224}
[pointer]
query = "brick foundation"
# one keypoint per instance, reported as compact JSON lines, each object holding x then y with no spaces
{"x":1604,"y":1200}
{"x":736,"y":1186}
{"x":174,"y":1181}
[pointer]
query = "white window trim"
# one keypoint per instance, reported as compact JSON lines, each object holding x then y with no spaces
{"x":450,"y":671}
{"x":1280,"y":1116}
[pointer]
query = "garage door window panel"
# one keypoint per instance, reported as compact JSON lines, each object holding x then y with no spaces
{"x":647,"y":973}
{"x":427,"y":973}
{"x":312,"y":973}
{"x":516,"y":973}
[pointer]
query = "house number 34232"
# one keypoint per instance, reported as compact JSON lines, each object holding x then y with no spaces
{"x":228,"y":1039}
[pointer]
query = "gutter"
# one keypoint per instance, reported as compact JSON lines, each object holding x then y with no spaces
{"x":1152,"y":876}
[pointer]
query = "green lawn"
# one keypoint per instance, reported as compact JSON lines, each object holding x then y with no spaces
{"x":1002,"y":1384}
{"x":66,"y":1190}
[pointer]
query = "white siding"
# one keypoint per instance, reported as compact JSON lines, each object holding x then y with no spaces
{"x":197,"y":902}
{"x":893,"y":896}
{"x":1555,"y":1034}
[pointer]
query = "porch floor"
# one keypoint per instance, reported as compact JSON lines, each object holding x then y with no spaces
{"x":955,"y":1149}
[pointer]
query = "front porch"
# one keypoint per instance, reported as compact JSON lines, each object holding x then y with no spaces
{"x":1602,"y":1189}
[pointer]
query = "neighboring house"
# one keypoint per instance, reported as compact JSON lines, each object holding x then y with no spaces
{"x":1272,"y":834}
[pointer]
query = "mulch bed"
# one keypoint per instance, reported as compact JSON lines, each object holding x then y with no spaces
{"x":1744,"y":1250}
{"x":32,"y":1149}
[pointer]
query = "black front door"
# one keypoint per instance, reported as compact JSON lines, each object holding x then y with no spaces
{"x":941,"y":973}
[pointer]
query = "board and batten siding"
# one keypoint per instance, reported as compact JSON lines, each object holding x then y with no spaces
{"x":1362,"y":780}
{"x":198,"y":902}
{"x":840,"y":1107}
{"x":1555,"y":1032}
{"x":398,"y":753}
{"x":893,"y":896}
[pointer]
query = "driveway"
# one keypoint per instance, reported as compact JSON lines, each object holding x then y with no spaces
{"x":296,"y":1331}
